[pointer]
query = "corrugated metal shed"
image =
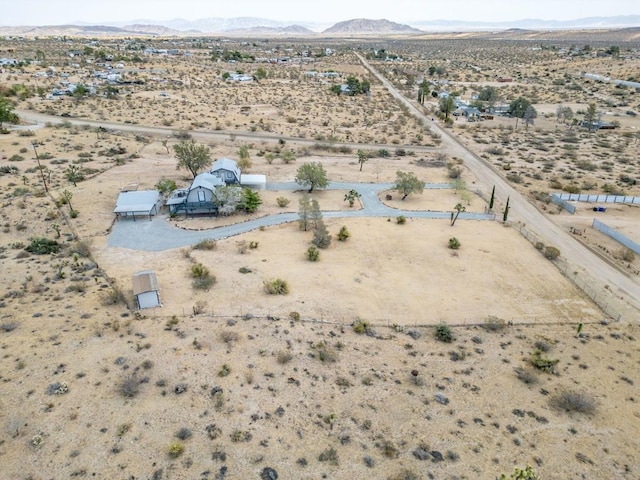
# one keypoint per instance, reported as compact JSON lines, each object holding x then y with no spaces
{"x":146,"y":289}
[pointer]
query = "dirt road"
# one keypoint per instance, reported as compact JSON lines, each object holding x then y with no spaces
{"x":625,"y":291}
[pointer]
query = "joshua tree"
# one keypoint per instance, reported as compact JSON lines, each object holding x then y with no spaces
{"x":362,"y":158}
{"x":454,"y":215}
{"x":351,"y":197}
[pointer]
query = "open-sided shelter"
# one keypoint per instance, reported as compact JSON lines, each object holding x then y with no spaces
{"x":144,"y":202}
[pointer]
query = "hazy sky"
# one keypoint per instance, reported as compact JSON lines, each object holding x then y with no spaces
{"x":52,"y":12}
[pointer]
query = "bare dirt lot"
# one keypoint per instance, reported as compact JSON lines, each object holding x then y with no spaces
{"x":391,"y":357}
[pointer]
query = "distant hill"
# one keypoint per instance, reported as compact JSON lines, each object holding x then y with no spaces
{"x":262,"y":30}
{"x":363,"y":26}
{"x":152,"y":30}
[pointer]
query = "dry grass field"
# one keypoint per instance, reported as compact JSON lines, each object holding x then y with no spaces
{"x":392,"y":357}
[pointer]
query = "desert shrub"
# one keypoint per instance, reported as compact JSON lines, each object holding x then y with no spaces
{"x":244,"y":270}
{"x":205,"y":244}
{"x":330,"y":456}
{"x":343,"y":234}
{"x":551,"y":253}
{"x":200,"y":307}
{"x":568,"y":401}
{"x":74,"y":213}
{"x":542,"y":345}
{"x":313,"y":254}
{"x":494,"y":324}
{"x":276,"y":286}
{"x":283,"y":202}
{"x":283,"y":357}
{"x":325,"y":353}
{"x":389,"y":450}
{"x":546,"y":365}
{"x":224,"y":371}
{"x":176,"y":449}
{"x":627,"y":255}
{"x":43,"y":246}
{"x":454,"y":243}
{"x":295,"y":316}
{"x":229,"y":336}
{"x":526,"y":376}
{"x":539,"y":246}
{"x":401,"y":219}
{"x":129,"y":387}
{"x":405,"y":474}
{"x":184,"y":433}
{"x":202,"y":278}
{"x":82,"y":248}
{"x":443,"y":333}
{"x":360,"y":326}
{"x":115,"y":296}
{"x":16,"y":158}
{"x":240,"y":436}
{"x":8,"y":326}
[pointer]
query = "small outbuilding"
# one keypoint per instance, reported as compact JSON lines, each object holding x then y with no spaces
{"x":226,"y":170}
{"x":144,"y":202}
{"x":146,"y":290}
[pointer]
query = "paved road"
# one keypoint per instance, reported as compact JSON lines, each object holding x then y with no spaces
{"x":604,"y":275}
{"x":158,"y":234}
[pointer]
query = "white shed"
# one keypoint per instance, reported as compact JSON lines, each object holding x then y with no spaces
{"x":146,"y":290}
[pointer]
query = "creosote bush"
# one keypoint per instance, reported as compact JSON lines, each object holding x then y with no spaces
{"x":283,"y":202}
{"x":494,"y":324}
{"x":454,"y":243}
{"x":551,"y":253}
{"x":276,"y":286}
{"x":313,"y":254}
{"x":443,"y":333}
{"x":130,"y":386}
{"x":343,"y":234}
{"x":202,"y":278}
{"x":360,"y":326}
{"x":176,"y":449}
{"x":401,"y":219}
{"x":546,"y":365}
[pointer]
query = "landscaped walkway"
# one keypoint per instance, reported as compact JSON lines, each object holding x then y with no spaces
{"x":159,"y":234}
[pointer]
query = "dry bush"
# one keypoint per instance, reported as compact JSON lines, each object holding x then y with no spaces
{"x":276,"y":286}
{"x":228,"y":336}
{"x":568,"y":401}
{"x":205,"y":244}
{"x":284,"y":357}
{"x":494,"y":324}
{"x":129,"y":387}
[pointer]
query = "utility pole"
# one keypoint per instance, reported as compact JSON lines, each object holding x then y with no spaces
{"x":44,"y":182}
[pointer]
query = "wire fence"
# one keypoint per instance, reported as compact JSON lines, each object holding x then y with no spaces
{"x":596,"y":291}
{"x":257,"y":314}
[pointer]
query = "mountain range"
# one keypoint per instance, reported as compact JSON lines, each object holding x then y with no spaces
{"x":262,"y":26}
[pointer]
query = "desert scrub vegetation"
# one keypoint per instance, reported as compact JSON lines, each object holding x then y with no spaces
{"x":494,"y":324}
{"x":42,"y":246}
{"x":205,"y":244}
{"x":569,"y":401}
{"x":202,"y":277}
{"x":442,"y":333}
{"x":543,"y":364}
{"x":276,"y":286}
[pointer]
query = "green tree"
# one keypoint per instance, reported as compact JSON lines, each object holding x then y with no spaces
{"x":459,"y":208}
{"x":6,"y":112}
{"x":423,"y":91}
{"x":505,"y":214}
{"x":304,"y":212}
{"x":312,"y":175}
{"x":315,"y":214}
{"x":191,"y":156}
{"x":244,"y":157}
{"x":260,"y":74}
{"x":362,"y":158}
{"x":488,"y":95}
{"x":166,"y":186}
{"x":81,"y":91}
{"x":321,"y":236}
{"x":446,"y":106}
{"x":250,"y":200}
{"x":493,"y":197}
{"x":518,"y":108}
{"x":407,"y":183}
{"x":591,"y":116}
{"x":337,"y":89}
